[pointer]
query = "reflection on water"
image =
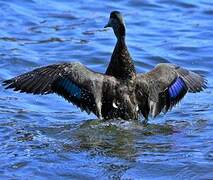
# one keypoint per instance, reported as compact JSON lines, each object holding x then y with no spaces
{"x":119,"y":138}
{"x":45,"y":137}
{"x":115,"y":146}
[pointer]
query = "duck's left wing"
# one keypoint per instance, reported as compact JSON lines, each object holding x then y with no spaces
{"x":73,"y":81}
{"x":164,"y":86}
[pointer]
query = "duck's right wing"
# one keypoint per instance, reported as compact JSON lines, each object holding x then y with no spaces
{"x":73,"y":81}
{"x":164,"y":86}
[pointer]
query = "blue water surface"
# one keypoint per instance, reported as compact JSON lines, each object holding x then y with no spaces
{"x":45,"y":137}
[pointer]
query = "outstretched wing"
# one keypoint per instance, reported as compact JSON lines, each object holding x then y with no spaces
{"x":164,"y":86}
{"x":73,"y":81}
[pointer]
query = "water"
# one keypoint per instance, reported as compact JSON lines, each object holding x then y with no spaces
{"x":45,"y":137}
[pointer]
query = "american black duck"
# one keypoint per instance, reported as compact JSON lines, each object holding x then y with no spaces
{"x":120,"y":92}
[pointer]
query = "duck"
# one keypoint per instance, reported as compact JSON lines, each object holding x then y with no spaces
{"x":120,"y":92}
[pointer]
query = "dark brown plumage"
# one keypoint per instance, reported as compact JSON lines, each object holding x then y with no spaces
{"x":120,"y":92}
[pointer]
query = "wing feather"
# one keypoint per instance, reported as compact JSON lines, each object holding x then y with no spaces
{"x":166,"y":85}
{"x":65,"y":80}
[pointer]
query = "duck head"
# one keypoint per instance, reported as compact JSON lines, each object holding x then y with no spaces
{"x":117,"y":23}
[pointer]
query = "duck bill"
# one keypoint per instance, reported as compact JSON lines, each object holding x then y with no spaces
{"x":109,"y":24}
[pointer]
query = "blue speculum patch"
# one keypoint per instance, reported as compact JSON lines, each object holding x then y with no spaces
{"x":176,"y":88}
{"x":70,"y":87}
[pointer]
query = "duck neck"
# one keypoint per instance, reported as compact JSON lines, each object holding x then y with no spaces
{"x":121,"y":65}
